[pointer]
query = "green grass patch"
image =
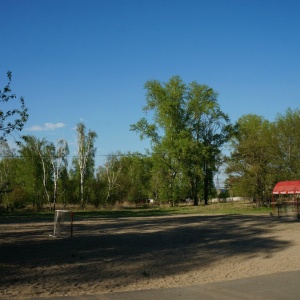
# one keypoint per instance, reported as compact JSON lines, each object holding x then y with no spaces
{"x":241,"y":208}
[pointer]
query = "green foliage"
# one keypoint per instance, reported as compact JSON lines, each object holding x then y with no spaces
{"x":187,"y":132}
{"x":13,"y":193}
{"x":286,"y":139}
{"x":35,"y":154}
{"x":264,"y":153}
{"x":85,"y":160}
{"x":136,"y":173}
{"x":249,"y":163}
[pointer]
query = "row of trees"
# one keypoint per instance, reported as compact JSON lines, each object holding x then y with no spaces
{"x":38,"y":172}
{"x":263,"y":153}
{"x":187,"y":130}
{"x":39,"y":175}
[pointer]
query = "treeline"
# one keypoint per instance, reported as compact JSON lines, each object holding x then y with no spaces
{"x":263,"y":153}
{"x":187,"y":130}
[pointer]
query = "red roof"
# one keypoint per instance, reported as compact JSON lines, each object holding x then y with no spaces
{"x":287,"y":187}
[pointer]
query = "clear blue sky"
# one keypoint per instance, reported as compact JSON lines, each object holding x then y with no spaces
{"x":88,"y":60}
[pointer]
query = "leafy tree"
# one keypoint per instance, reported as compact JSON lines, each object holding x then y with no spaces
{"x":6,"y":170}
{"x":250,"y":163}
{"x":168,"y":171}
{"x":14,"y":193}
{"x":37,"y":167}
{"x":135,"y":178}
{"x":98,"y":191}
{"x":85,"y":156}
{"x":110,"y":173}
{"x":65,"y":187}
{"x":209,"y":128}
{"x":188,"y":131}
{"x":58,"y":156}
{"x":11,"y":119}
{"x":167,"y":101}
{"x":5,"y":154}
{"x":286,"y":145}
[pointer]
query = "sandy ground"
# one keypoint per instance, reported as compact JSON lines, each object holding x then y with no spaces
{"x":108,"y":255}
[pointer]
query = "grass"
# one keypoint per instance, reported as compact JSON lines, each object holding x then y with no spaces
{"x":242,"y":208}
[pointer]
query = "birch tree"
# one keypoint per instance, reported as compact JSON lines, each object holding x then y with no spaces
{"x":110,"y":173}
{"x":58,"y":156}
{"x":85,"y":156}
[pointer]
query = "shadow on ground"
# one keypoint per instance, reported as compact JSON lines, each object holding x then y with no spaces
{"x":117,"y":252}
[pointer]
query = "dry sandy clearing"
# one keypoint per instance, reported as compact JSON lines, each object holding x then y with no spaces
{"x":107,"y":255}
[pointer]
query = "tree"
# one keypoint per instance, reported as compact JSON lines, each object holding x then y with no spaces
{"x":58,"y":156}
{"x":136,"y":173}
{"x":187,"y":133}
{"x":85,"y":156}
{"x":167,"y":101}
{"x":168,"y":169}
{"x":38,"y":167}
{"x":286,"y":145}
{"x":110,"y":173}
{"x":250,"y":164}
{"x":13,"y":192}
{"x":6,"y":155}
{"x":11,"y":119}
{"x":209,"y":128}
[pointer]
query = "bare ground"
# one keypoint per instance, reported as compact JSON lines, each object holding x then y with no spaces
{"x":107,"y":255}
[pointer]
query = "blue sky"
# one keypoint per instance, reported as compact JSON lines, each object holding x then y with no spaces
{"x":87,"y":60}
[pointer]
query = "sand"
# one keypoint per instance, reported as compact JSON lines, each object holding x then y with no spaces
{"x":109,"y":255}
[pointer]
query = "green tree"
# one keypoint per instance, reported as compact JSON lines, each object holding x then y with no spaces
{"x":188,"y":131}
{"x":286,"y":145}
{"x":11,"y":119}
{"x":14,"y":191}
{"x":85,"y":159}
{"x":249,"y":165}
{"x":37,"y":168}
{"x":6,"y":170}
{"x":209,"y":129}
{"x":136,"y":174}
{"x":58,"y":156}
{"x":110,"y":174}
{"x":102,"y":187}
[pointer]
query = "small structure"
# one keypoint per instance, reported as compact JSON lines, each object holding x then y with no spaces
{"x":287,"y":200}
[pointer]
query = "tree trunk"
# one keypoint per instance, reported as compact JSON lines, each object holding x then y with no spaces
{"x":81,"y":192}
{"x":206,"y":188}
{"x":194,"y":182}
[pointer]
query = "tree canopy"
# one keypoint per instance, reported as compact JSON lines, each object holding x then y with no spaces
{"x":187,"y":130}
{"x":263,"y":153}
{"x":187,"y":133}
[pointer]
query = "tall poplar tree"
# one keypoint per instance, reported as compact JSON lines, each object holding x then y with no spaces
{"x":187,"y":133}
